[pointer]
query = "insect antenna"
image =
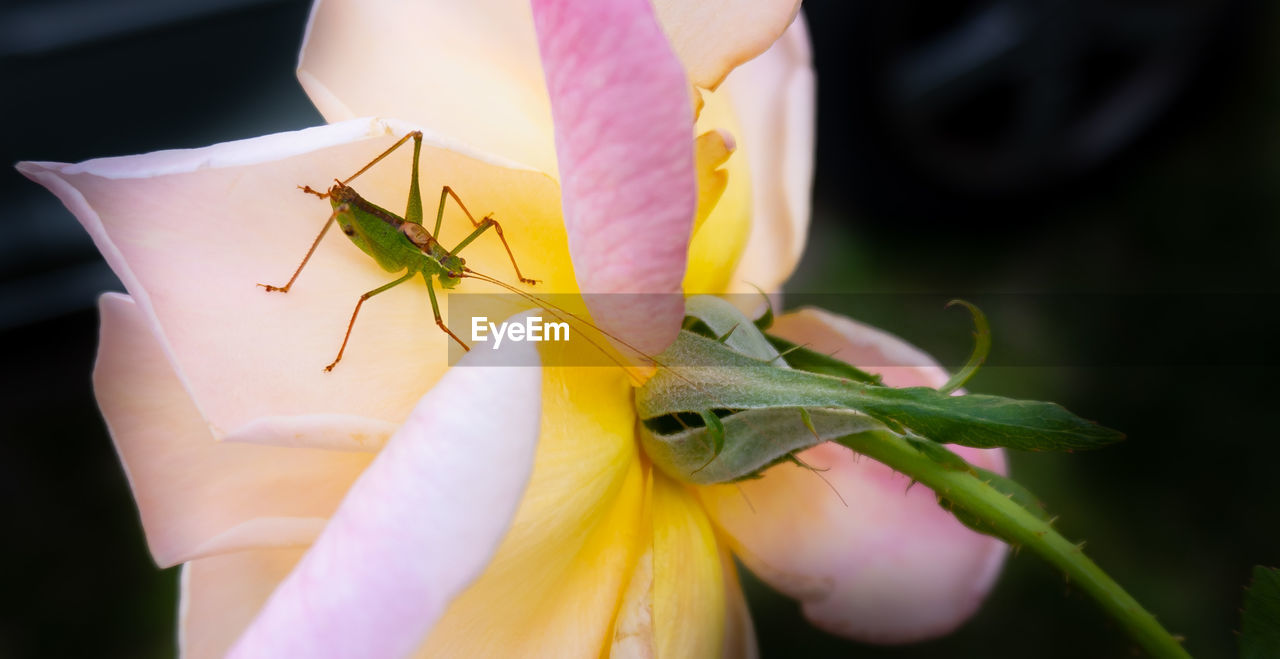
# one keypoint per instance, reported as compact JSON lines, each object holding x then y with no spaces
{"x":468,"y":272}
{"x":560,"y":313}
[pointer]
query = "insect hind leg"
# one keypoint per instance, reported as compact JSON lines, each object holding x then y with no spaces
{"x":480,"y":227}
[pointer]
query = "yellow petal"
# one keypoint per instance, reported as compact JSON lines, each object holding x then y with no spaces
{"x":682,"y":599}
{"x":554,"y":586}
{"x":689,"y":607}
{"x":724,"y":200}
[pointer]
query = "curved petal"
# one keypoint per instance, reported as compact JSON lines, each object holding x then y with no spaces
{"x":633,"y":636}
{"x":418,"y":526}
{"x":739,"y":631}
{"x":712,"y":37}
{"x":774,"y":99}
{"x":624,"y":135}
{"x":724,"y":200}
{"x":689,"y":607}
{"x":869,"y":557}
{"x":220,"y":595}
{"x":560,"y":573}
{"x":677,"y":600}
{"x":191,"y":232}
{"x":466,"y":69}
{"x":198,"y":496}
{"x":386,"y":58}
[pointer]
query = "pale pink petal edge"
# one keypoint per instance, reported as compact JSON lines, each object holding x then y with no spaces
{"x":909,"y":571}
{"x":419,"y":525}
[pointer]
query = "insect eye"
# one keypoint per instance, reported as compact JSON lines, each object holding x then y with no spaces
{"x":349,"y":230}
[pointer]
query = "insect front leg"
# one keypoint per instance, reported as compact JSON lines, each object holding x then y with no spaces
{"x":435,"y":311}
{"x":480,"y":227}
{"x":355,"y":313}
{"x":342,"y":208}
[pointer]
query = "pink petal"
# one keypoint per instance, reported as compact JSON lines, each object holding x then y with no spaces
{"x":191,"y":233}
{"x":890,"y":566}
{"x":198,"y":496}
{"x":624,"y":136}
{"x":773,"y":96}
{"x":713,"y":36}
{"x":419,"y":525}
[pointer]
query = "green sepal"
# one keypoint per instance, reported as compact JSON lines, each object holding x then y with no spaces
{"x":981,"y":347}
{"x":726,"y":324}
{"x":765,"y":321}
{"x":715,"y":432}
{"x":704,"y":374}
{"x":754,"y":440}
{"x":804,"y":359}
{"x":1260,"y":635}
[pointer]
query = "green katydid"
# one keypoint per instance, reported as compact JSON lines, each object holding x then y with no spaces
{"x":400,"y":243}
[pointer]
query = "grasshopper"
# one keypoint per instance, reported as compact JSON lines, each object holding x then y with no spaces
{"x":399,"y":243}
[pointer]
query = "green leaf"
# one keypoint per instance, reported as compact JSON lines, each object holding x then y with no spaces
{"x":982,"y":421}
{"x":1260,"y":638}
{"x":804,"y":359}
{"x":704,"y":374}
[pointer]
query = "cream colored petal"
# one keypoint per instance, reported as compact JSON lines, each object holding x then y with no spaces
{"x":555,"y":584}
{"x":191,"y":234}
{"x":773,"y":97}
{"x":198,"y":496}
{"x":870,"y":557}
{"x":469,"y":70}
{"x":221,"y":594}
{"x":713,"y":36}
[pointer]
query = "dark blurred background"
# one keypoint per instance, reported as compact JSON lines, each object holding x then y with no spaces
{"x":1099,"y":175}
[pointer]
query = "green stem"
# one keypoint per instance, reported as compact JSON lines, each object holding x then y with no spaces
{"x":1020,"y":526}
